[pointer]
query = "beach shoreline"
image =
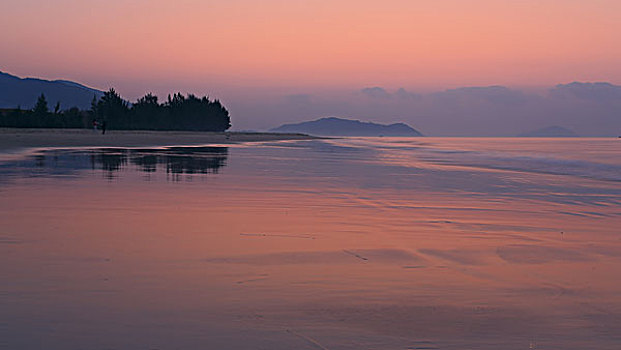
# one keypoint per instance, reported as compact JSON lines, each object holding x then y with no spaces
{"x":16,"y":139}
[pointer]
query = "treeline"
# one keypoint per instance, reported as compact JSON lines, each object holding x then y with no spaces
{"x":42,"y":117}
{"x":178,"y":112}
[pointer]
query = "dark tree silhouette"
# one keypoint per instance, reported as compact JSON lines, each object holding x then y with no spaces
{"x":193,"y":113}
{"x":40,"y":108}
{"x":147,"y":112}
{"x":178,"y":112}
{"x":112,"y":109}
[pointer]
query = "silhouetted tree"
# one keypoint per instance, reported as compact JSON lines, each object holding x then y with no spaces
{"x":40,"y":108}
{"x":179,"y":112}
{"x":112,"y":109}
{"x":146,"y":112}
{"x":93,"y":110}
{"x":193,"y":113}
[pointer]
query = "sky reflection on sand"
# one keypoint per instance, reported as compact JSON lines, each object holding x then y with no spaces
{"x":341,"y":244}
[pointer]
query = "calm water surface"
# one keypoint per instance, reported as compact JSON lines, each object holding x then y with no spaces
{"x":362,"y":243}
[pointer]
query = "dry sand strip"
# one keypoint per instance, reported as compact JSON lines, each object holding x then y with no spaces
{"x":13,"y":139}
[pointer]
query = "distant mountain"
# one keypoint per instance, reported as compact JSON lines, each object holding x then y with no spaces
{"x":599,"y":91}
{"x":332,"y":126}
{"x":15,"y":91}
{"x":550,"y":131}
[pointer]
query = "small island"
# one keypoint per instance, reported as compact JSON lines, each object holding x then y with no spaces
{"x":332,"y":126}
{"x":550,"y":131}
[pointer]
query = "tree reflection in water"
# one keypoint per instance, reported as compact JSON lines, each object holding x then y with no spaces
{"x":176,"y":160}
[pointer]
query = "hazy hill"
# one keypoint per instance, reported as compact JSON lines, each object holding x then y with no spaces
{"x":599,"y":91}
{"x":23,"y":92}
{"x":550,"y":131}
{"x":332,"y":126}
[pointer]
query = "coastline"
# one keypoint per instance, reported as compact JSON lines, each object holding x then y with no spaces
{"x":16,"y":139}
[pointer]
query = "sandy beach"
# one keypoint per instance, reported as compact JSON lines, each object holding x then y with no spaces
{"x":339,"y":244}
{"x":12,"y":140}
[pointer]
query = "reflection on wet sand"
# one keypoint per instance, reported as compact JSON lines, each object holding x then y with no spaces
{"x":174,"y":161}
{"x":177,"y":160}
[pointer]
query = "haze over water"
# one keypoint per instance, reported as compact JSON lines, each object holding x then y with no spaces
{"x":359,"y":243}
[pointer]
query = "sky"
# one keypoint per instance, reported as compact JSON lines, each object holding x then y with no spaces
{"x":248,"y":51}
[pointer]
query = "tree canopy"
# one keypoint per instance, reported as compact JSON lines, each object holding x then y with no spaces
{"x":178,"y":112}
{"x":40,"y":108}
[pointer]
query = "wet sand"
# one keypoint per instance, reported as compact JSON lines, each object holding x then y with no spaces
{"x":339,"y":244}
{"x":12,"y":140}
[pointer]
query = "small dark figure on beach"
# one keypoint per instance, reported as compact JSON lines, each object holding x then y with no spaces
{"x":95,"y":125}
{"x":103,"y":127}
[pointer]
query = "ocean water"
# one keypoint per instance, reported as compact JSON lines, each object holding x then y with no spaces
{"x":358,"y":243}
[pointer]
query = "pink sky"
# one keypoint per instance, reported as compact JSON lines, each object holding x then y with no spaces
{"x":220,"y":45}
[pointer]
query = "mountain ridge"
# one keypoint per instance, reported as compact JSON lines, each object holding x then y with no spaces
{"x":23,"y":92}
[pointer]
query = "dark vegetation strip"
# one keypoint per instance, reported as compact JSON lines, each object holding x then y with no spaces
{"x":178,"y":112}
